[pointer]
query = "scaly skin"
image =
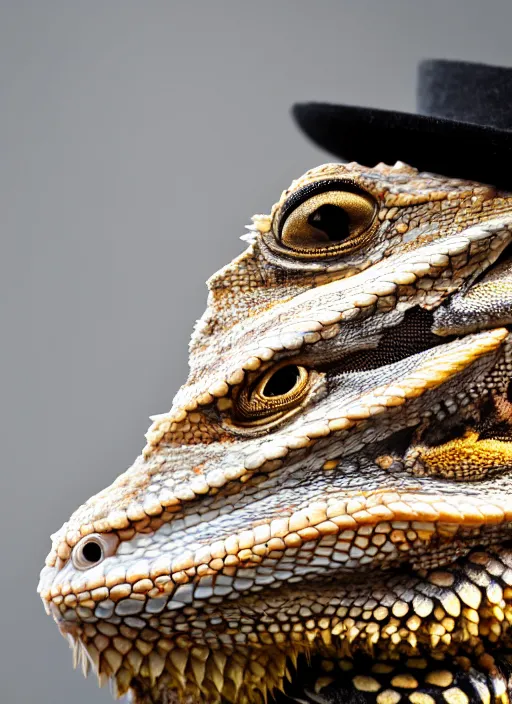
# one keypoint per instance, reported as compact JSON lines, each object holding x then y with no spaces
{"x":356,"y":517}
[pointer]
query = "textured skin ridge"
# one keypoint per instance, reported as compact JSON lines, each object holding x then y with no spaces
{"x":349,"y":542}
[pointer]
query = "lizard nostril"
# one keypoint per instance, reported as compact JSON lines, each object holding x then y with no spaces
{"x":92,"y":552}
{"x":93,"y":549}
{"x":87,"y":553}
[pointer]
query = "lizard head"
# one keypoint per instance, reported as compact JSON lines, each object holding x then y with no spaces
{"x":341,"y":441}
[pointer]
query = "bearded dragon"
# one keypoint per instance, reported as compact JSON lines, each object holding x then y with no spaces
{"x":324,"y":513}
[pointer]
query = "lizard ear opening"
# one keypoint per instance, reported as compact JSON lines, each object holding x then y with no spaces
{"x":326,"y":219}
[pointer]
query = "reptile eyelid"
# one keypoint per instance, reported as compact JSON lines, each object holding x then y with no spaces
{"x":326,"y":219}
{"x":314,"y":189}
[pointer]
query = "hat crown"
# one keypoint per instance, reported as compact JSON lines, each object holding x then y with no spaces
{"x":465,"y":91}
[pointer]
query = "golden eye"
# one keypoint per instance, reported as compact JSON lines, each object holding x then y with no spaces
{"x":278,"y":391}
{"x":326,"y":219}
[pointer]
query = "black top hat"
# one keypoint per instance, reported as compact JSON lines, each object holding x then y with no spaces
{"x":463,"y":127}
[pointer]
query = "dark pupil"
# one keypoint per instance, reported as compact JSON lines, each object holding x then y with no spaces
{"x":332,"y":220}
{"x":91,"y":552}
{"x":282,"y":381}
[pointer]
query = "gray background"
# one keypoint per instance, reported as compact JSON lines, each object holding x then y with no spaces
{"x":136,"y":139}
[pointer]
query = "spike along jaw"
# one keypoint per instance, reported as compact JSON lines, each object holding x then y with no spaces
{"x":339,"y":451}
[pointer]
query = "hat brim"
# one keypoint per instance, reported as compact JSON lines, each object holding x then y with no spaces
{"x":439,"y":145}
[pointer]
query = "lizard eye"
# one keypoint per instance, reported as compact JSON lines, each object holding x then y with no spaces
{"x":326,"y":219}
{"x":278,"y":391}
{"x":92,"y":549}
